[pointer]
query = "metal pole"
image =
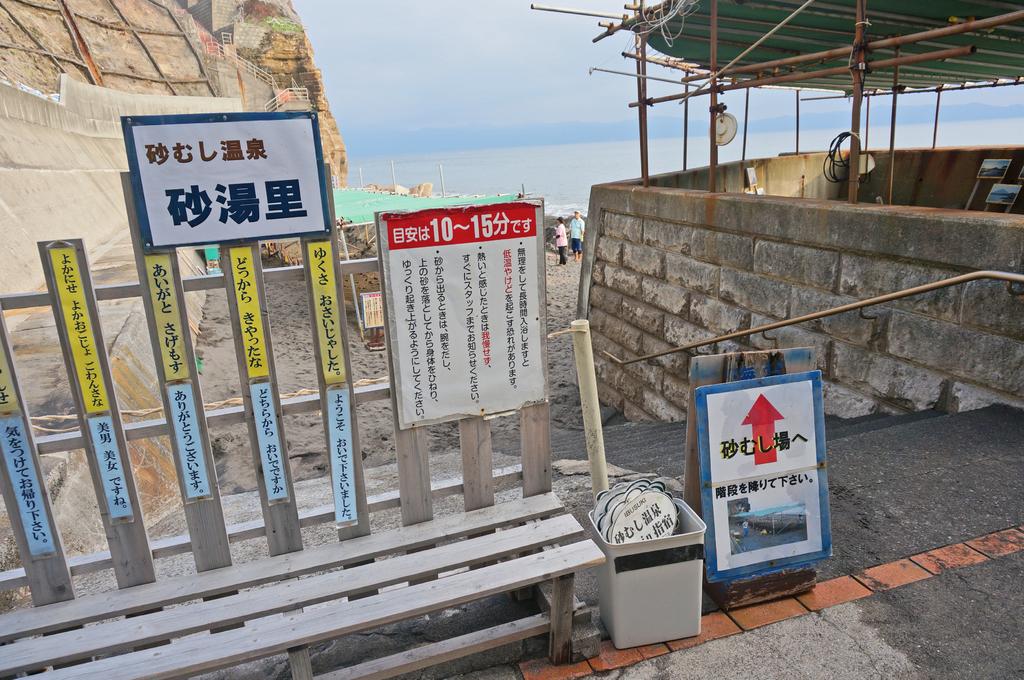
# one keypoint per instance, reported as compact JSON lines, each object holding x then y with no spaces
{"x":746,"y":112}
{"x":440,"y":169}
{"x":935,"y":129}
{"x":892,"y":126}
{"x":641,"y":95}
{"x":713,"y":160}
{"x":686,"y":128}
{"x":857,"y":68}
{"x":361,"y":184}
{"x":394,"y":181}
{"x":797,"y":92}
{"x":583,"y":351}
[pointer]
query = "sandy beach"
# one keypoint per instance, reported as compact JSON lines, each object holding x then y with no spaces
{"x":293,"y":354}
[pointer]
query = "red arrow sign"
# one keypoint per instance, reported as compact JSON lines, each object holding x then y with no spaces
{"x":761,"y":418}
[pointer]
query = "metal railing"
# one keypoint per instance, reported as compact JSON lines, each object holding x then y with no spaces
{"x":288,"y":96}
{"x":215,"y":48}
{"x":1009,"y":277}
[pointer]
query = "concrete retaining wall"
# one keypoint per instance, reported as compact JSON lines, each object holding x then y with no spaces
{"x":666,"y":267}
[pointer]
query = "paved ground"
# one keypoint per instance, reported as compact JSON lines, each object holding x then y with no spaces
{"x":899,"y":487}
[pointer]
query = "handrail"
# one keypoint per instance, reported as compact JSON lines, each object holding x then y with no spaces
{"x":287,"y":96}
{"x":1009,"y":277}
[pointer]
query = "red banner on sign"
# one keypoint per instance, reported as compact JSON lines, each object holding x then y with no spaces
{"x":453,"y":226}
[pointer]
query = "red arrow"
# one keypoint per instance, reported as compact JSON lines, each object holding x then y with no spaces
{"x":761,"y":418}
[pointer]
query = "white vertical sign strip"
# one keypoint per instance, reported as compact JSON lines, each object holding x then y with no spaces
{"x":340,"y":436}
{"x":28,"y":490}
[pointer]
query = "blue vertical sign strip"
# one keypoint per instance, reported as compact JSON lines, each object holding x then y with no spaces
{"x":340,"y":435}
{"x":190,"y":444}
{"x":28,"y":492}
{"x":269,"y":439}
{"x":111,"y":467}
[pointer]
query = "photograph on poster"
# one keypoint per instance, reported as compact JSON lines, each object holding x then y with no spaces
{"x":993,"y":168}
{"x":764,"y":528}
{"x":1003,"y":194}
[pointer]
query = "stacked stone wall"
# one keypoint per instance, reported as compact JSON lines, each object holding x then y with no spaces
{"x":668,"y":267}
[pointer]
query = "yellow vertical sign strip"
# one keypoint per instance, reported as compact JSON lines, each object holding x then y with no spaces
{"x":8,"y":397}
{"x":250,"y":317}
{"x":78,"y":324}
{"x":167,"y":316}
{"x":327,"y":320}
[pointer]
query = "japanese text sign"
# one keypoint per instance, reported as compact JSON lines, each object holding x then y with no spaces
{"x":342,"y":472}
{"x":327,"y":319}
{"x":221,"y":178}
{"x":250,"y":314}
{"x":268,"y":437}
{"x":78,"y":325}
{"x":183,"y":417}
{"x":763,"y":477}
{"x":167,"y":316}
{"x":28,"y":491}
{"x":373,"y":310}
{"x":111,"y":467}
{"x":464,"y":292}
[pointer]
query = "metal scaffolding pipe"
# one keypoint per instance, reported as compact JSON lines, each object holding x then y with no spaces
{"x":858,"y":68}
{"x":937,"y":55}
{"x":580,"y":12}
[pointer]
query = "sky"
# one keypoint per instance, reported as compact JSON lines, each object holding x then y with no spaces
{"x":402,"y":69}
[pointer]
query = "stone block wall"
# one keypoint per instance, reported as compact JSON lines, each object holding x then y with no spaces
{"x":667,"y":267}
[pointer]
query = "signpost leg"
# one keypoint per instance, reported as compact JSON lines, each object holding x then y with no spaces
{"x":181,"y":394}
{"x":24,"y":490}
{"x":81,"y":337}
{"x":243,"y":278}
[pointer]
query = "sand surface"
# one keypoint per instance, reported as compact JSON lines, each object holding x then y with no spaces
{"x":291,"y":337}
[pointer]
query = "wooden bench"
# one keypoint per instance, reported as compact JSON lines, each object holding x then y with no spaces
{"x":228,"y":613}
{"x":120,"y":622}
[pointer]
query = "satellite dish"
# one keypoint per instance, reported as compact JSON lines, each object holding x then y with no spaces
{"x":725,"y":128}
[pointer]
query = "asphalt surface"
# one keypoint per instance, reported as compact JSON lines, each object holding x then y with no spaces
{"x":899,"y":486}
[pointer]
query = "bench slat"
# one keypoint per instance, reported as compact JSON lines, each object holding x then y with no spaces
{"x":125,"y":634}
{"x":177,"y":545}
{"x":275,"y":635}
{"x":65,"y":615}
{"x":434,"y":653}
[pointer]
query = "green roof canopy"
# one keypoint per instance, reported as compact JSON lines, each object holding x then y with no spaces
{"x":356,"y":205}
{"x":828,"y":24}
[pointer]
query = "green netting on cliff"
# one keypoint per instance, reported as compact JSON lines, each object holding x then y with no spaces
{"x":355,"y":205}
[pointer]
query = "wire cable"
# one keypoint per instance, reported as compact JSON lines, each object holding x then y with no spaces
{"x":834,"y":163}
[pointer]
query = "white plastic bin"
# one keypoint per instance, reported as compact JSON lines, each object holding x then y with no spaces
{"x":651,"y":591}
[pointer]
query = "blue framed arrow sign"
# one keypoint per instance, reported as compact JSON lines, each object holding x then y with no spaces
{"x":764,"y":484}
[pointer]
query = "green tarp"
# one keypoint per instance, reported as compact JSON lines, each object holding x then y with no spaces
{"x":827,"y":25}
{"x":355,"y":205}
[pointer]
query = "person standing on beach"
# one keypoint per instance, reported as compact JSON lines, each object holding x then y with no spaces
{"x":577,"y":227}
{"x":561,"y":242}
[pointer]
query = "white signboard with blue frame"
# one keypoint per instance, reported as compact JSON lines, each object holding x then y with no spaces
{"x":226,"y":177}
{"x":764,"y":483}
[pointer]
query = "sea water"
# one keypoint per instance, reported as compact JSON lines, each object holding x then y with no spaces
{"x":563,"y":174}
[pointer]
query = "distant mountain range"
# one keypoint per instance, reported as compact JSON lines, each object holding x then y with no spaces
{"x":365,"y":142}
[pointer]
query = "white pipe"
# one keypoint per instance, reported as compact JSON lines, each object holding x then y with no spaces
{"x":583,"y":351}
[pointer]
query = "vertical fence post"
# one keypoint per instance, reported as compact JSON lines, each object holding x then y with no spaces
{"x":69,"y":281}
{"x":24,"y":490}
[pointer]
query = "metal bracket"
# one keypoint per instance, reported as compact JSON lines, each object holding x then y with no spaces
{"x":774,"y":341}
{"x":866,"y":317}
{"x":1011,"y":288}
